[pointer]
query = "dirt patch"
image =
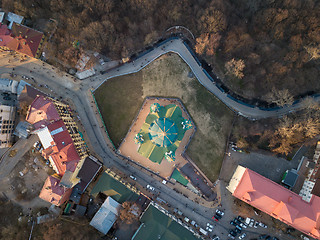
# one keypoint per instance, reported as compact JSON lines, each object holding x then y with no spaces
{"x":119,"y":100}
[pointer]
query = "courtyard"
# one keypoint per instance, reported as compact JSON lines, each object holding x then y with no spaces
{"x":120,"y":99}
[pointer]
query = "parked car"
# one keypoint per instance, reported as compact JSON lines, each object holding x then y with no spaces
{"x":233,"y":223}
{"x":237,"y":230}
{"x":217,"y":215}
{"x":215,"y":238}
{"x":233,"y":233}
{"x":236,"y":221}
{"x":7,"y":98}
{"x":209,"y":229}
{"x":268,"y":238}
{"x":150,"y":187}
{"x":243,"y":225}
{"x":219,"y":212}
{"x":256,"y":225}
{"x":263,"y":236}
{"x":238,"y":227}
{"x":242,"y":236}
{"x":249,"y":222}
{"x":210,"y":225}
{"x":240,"y":218}
{"x":261,"y":224}
{"x":215,"y":219}
{"x":230,"y":236}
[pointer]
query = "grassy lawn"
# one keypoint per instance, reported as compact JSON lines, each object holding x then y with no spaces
{"x":120,"y":99}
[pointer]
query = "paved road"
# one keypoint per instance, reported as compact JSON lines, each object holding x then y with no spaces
{"x":177,"y":46}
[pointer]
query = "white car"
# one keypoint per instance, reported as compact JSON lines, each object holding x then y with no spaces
{"x":263,"y":225}
{"x":216,"y":238}
{"x":243,"y":225}
{"x":133,"y":177}
{"x":209,"y":229}
{"x":242,"y":236}
{"x":150,"y":187}
{"x":209,"y":225}
{"x":219,"y":212}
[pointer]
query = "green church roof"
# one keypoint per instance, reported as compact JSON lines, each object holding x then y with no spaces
{"x":163,"y":132}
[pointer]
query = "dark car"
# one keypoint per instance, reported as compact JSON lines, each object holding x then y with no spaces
{"x":238,"y":227}
{"x":236,"y":221}
{"x":233,"y":233}
{"x":233,"y":223}
{"x":7,"y":98}
{"x":217,"y":216}
{"x":237,"y":230}
{"x":275,"y":238}
{"x":240,"y":218}
{"x":268,"y":238}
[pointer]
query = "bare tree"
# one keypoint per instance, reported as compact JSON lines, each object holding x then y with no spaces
{"x":129,"y":212}
{"x":235,"y":67}
{"x":280,"y":97}
{"x":207,"y":43}
{"x":313,"y":51}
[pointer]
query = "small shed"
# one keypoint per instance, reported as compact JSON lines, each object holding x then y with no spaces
{"x":290,"y":178}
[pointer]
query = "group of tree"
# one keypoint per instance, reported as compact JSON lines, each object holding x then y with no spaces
{"x":261,"y":44}
{"x":297,"y":128}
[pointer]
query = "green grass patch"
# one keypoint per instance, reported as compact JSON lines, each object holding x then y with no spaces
{"x":120,"y":99}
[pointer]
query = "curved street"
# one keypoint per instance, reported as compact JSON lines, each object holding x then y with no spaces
{"x":79,"y":92}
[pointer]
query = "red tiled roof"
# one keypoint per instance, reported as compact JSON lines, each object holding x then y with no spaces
{"x":53,"y":193}
{"x":62,"y":151}
{"x":279,"y":202}
{"x":20,"y":38}
{"x":42,"y":111}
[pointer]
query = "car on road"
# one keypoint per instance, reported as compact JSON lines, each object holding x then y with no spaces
{"x":150,"y":187}
{"x":133,"y":177}
{"x":219,"y":212}
{"x":242,"y":236}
